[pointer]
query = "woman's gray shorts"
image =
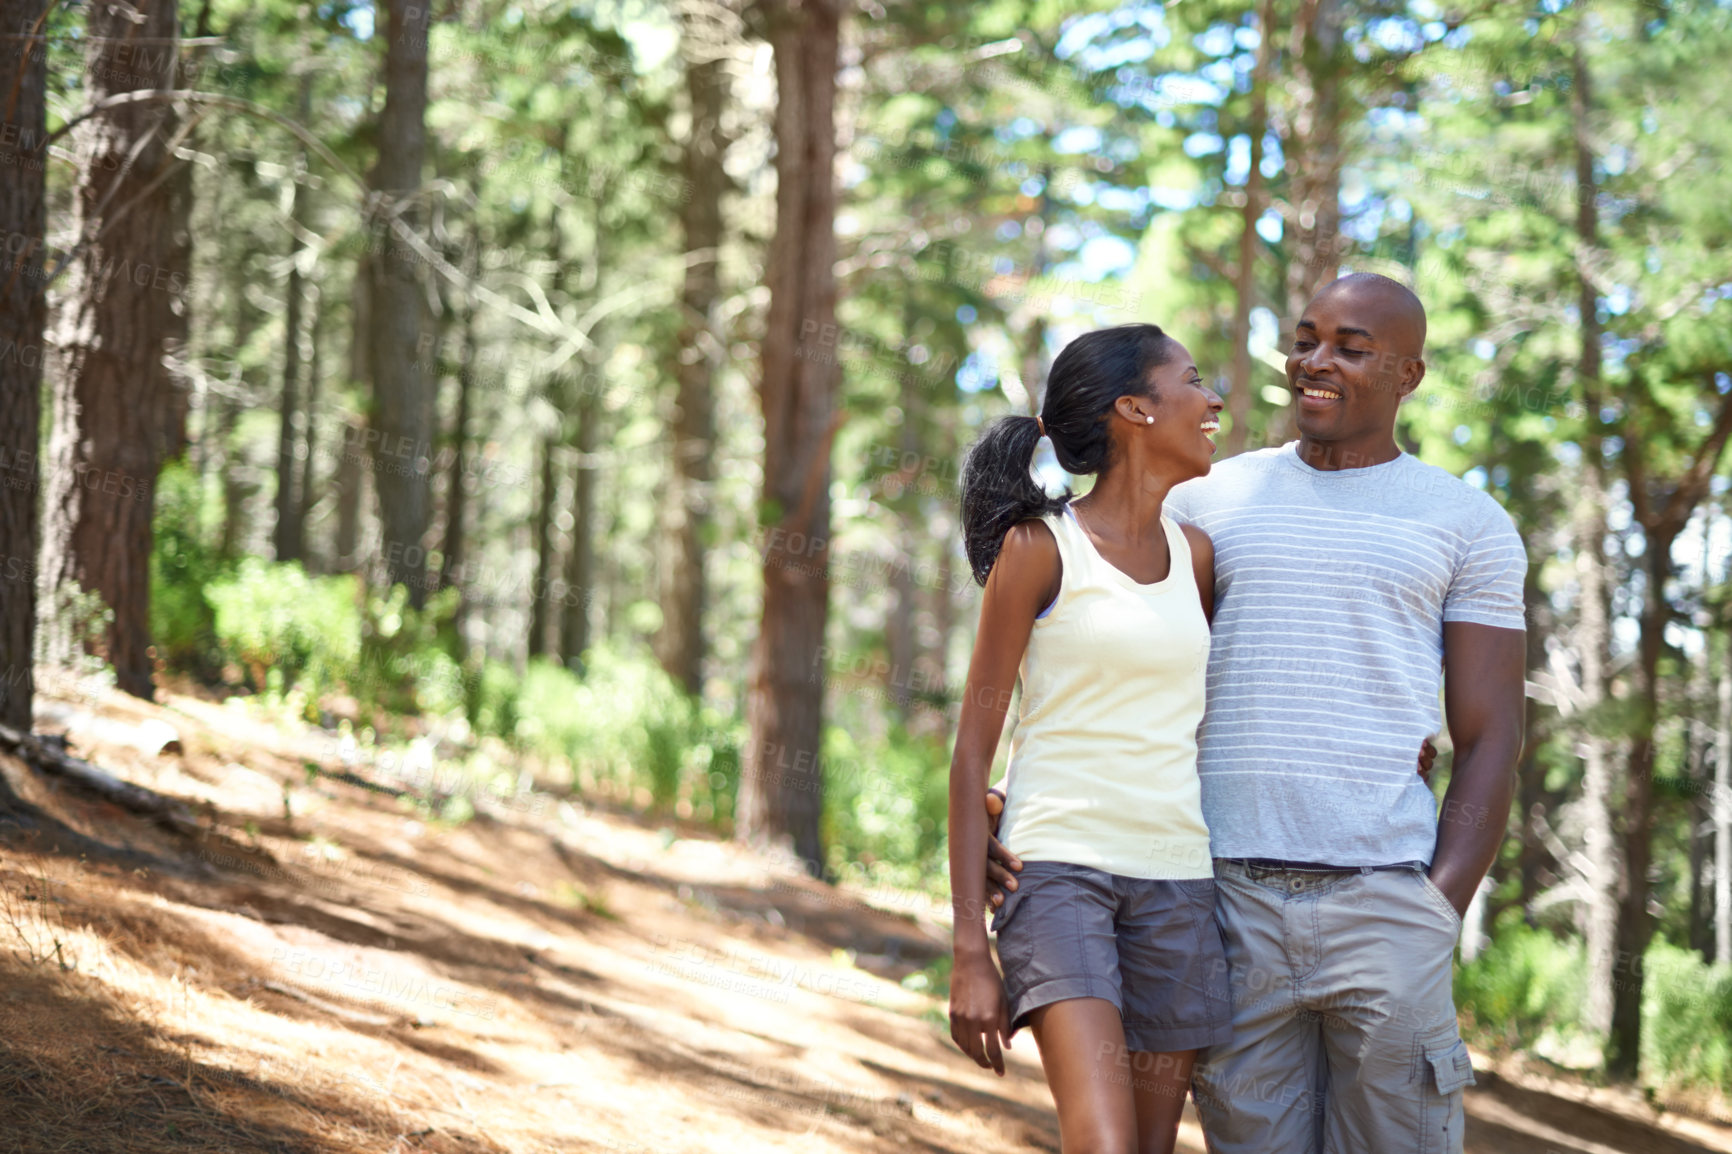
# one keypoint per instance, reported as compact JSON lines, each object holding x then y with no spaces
{"x":1151,"y":948}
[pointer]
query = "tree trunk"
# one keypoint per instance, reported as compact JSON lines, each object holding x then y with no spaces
{"x":541,"y":593}
{"x":1698,"y":740}
{"x":402,"y":413}
{"x":1635,"y":924}
{"x":699,"y":351}
{"x":1723,"y":818}
{"x":235,"y":488}
{"x":1033,"y":367}
{"x":177,"y":385}
{"x":580,"y":579}
{"x":354,"y":462}
{"x":23,"y":322}
{"x":901,"y":636}
{"x":310,"y":429}
{"x":1317,"y":60}
{"x":781,"y":784}
{"x":1239,"y":398}
{"x":287,"y":540}
{"x":112,"y":337}
{"x":1531,"y":793}
{"x":1598,"y":785}
{"x":456,"y":495}
{"x":1600,"y":850}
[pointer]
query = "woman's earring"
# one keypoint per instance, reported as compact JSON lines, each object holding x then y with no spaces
{"x":1148,"y":420}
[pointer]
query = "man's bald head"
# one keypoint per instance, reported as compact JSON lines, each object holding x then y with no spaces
{"x":1399,"y":317}
{"x":1358,"y":350}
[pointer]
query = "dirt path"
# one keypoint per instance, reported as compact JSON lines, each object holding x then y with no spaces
{"x":545,"y":977}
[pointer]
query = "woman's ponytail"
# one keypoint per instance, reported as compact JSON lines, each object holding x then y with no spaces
{"x":1088,"y":377}
{"x":999,"y":489}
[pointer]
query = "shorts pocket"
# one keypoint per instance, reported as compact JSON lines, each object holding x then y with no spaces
{"x":1012,"y":899}
{"x":1439,"y":898}
{"x":1444,"y":1071}
{"x":1451,"y":1067}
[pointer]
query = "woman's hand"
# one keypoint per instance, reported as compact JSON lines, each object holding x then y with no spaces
{"x":979,"y":1013}
{"x":1427,"y":755}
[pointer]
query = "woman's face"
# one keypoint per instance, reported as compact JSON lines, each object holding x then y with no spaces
{"x":1185,"y":413}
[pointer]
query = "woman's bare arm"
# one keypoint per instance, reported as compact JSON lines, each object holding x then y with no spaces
{"x":1023,"y":581}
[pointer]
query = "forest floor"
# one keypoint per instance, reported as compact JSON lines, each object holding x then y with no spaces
{"x":547,"y":976}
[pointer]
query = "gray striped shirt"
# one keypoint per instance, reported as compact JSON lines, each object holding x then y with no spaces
{"x":1331,"y":590}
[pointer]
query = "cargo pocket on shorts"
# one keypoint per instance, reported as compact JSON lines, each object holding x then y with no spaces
{"x":1444,"y":1070}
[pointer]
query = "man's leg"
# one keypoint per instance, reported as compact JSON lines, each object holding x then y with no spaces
{"x":1397,"y":1062}
{"x":1159,"y":1082}
{"x":1256,"y":1093}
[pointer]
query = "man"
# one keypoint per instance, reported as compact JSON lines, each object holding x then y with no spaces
{"x":1347,"y":573}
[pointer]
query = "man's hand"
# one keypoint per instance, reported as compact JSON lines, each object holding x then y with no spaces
{"x":979,"y":1013}
{"x":999,"y":861}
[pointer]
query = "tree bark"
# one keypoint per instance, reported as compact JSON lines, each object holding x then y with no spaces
{"x":1723,"y":818}
{"x":1531,"y":795}
{"x":537,"y":646}
{"x":1239,"y":397}
{"x":402,"y":410}
{"x":177,"y":385}
{"x":23,"y":324}
{"x":580,"y":580}
{"x":1635,"y":924}
{"x":901,"y":635}
{"x":1698,"y":740}
{"x":354,"y":461}
{"x":699,"y":351}
{"x":1594,"y":647}
{"x":781,"y":784}
{"x":109,"y":375}
{"x":228,"y":407}
{"x":287,"y":539}
{"x":456,"y":495}
{"x":1317,"y":62}
{"x":309,"y":493}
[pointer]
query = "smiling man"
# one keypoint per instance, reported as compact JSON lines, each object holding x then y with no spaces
{"x":1348,"y":575}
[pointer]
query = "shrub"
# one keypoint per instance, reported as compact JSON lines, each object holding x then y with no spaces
{"x":1525,"y":983}
{"x":885,"y":806}
{"x":1686,"y":1019}
{"x":182,"y":565}
{"x":284,"y":627}
{"x":623,"y":725}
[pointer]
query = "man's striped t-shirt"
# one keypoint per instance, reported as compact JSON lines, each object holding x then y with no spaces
{"x":1331,"y":592}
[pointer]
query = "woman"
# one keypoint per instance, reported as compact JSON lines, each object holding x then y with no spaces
{"x":1108,"y":944}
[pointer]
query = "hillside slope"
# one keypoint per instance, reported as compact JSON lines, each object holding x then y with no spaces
{"x":321,"y":968}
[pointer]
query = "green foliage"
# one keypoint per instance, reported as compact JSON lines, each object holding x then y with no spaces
{"x":182,"y":565}
{"x":1529,"y":985}
{"x":1686,"y":1020}
{"x":885,"y":804}
{"x":623,"y":725}
{"x":1525,"y":983}
{"x":283,"y":627}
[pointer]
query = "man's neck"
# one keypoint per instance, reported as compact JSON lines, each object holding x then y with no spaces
{"x":1335,"y":456}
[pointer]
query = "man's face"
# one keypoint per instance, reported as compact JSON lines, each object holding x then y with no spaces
{"x":1353,"y":358}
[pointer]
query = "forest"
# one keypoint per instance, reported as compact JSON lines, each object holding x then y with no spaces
{"x":545,"y":402}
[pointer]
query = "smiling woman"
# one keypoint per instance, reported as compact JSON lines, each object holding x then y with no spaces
{"x":1100,"y":606}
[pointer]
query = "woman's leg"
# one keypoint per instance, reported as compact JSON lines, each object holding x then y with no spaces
{"x":1082,"y":1047}
{"x":1159,"y":1083}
